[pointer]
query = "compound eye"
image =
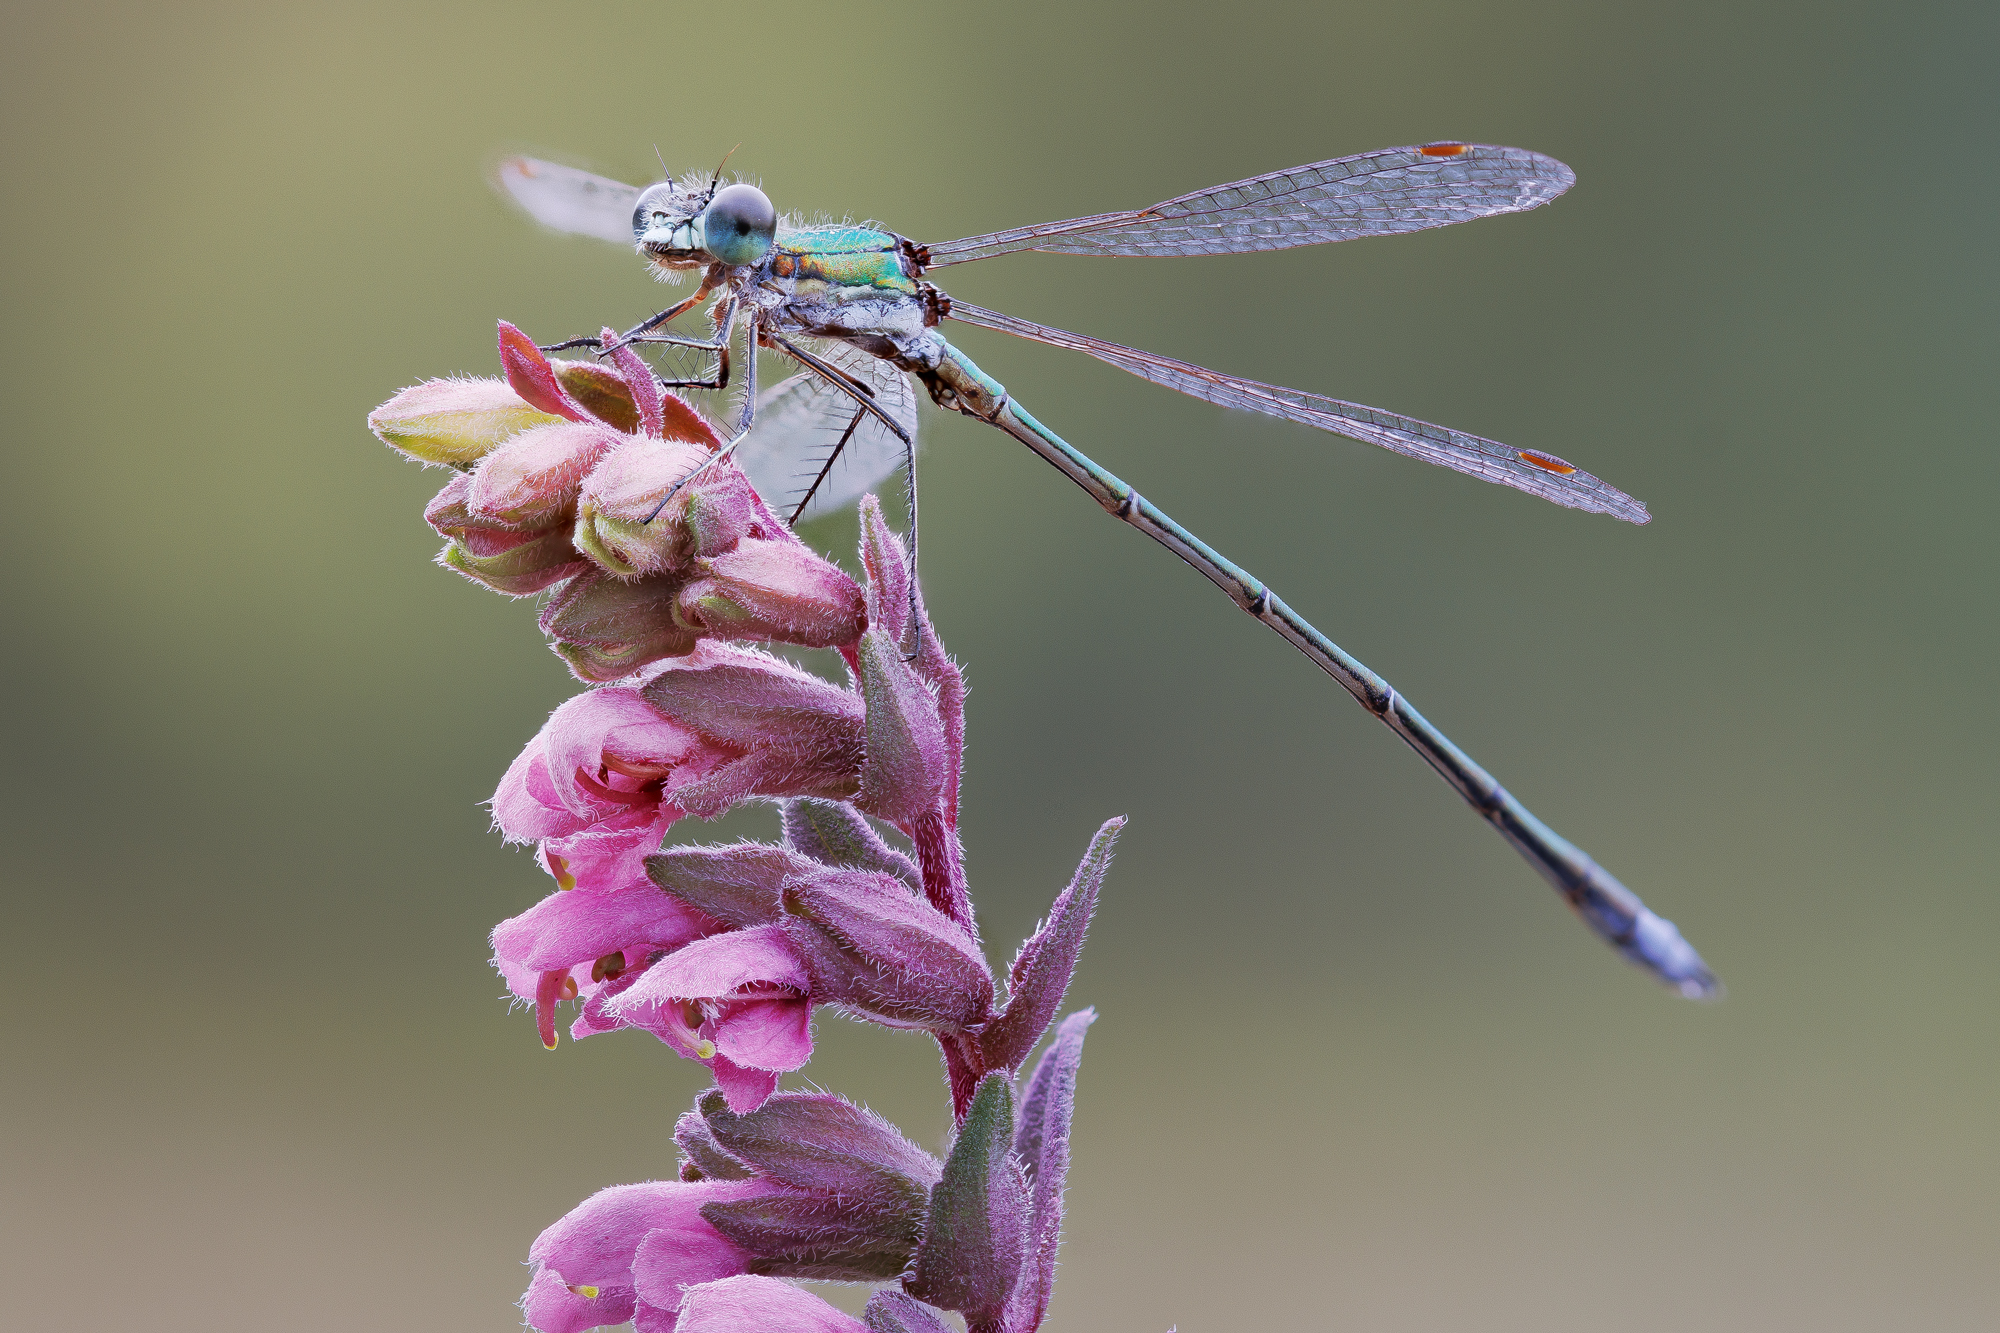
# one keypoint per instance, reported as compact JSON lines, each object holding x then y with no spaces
{"x":739,"y":225}
{"x":656,"y":201}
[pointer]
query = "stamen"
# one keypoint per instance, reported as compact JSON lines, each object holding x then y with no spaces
{"x":693,"y":1015}
{"x":608,"y":968}
{"x":560,"y":869}
{"x":547,"y":991}
{"x":588,"y":1293}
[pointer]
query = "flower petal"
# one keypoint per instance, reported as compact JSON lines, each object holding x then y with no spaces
{"x":718,"y":966}
{"x":553,"y":1307}
{"x":750,"y":1304}
{"x":614,"y":722}
{"x":594,"y":1242}
{"x":526,"y":807}
{"x":565,"y":929}
{"x":685,"y":1250}
{"x":767,"y":1034}
{"x":743,"y":1090}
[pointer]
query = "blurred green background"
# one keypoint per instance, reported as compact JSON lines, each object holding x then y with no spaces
{"x":1357,"y":1067}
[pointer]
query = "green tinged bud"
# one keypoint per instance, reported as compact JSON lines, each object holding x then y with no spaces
{"x":615,"y":523}
{"x":519,"y":570}
{"x":600,"y":391}
{"x":453,"y":422}
{"x":774,"y":590}
{"x":977,"y":1233}
{"x":606,"y":628}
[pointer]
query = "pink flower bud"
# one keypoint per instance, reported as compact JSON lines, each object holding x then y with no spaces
{"x":774,"y":590}
{"x":796,"y":735}
{"x":873,"y":946}
{"x":907,"y":756}
{"x":532,"y":480}
{"x":517,"y":568}
{"x":454,"y":422}
{"x":615,"y":525}
{"x":451,"y":517}
{"x":606,"y":628}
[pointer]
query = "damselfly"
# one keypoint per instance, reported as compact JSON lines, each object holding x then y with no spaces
{"x":852,"y":307}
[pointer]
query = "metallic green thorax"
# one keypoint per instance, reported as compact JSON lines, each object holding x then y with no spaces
{"x":841,"y":257}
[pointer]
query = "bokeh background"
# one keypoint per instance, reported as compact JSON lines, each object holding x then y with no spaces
{"x":1357,"y":1067}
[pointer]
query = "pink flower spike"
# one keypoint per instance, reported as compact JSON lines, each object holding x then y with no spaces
{"x":638,"y":377}
{"x":750,"y":1304}
{"x":533,"y":377}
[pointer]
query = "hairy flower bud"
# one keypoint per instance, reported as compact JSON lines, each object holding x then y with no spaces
{"x":517,"y":566}
{"x":606,"y":628}
{"x":533,"y":479}
{"x":740,"y":884}
{"x":615,"y":522}
{"x":873,"y":946}
{"x":454,"y":422}
{"x":796,"y":735}
{"x":894,"y":1312}
{"x":907,"y":765}
{"x":833,"y":833}
{"x":776,"y":590}
{"x":862,"y":1188}
{"x":817,"y":1141}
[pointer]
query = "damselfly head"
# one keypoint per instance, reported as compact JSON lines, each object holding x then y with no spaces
{"x":666,"y":221}
{"x":679,"y":227}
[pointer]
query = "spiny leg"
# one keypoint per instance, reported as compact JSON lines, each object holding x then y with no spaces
{"x":644,"y":326}
{"x":744,"y":421}
{"x":864,"y":396}
{"x":826,"y":469}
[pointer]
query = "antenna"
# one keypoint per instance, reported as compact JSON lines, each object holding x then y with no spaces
{"x":717,"y":179}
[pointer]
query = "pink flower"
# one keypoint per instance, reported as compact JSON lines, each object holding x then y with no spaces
{"x":615,"y":766}
{"x":571,"y":945}
{"x":738,"y":1002}
{"x":625,"y":1253}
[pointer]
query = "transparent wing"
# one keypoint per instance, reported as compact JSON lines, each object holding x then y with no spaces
{"x":570,"y":200}
{"x":801,"y":421}
{"x":1371,"y":194}
{"x":1524,"y":469}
